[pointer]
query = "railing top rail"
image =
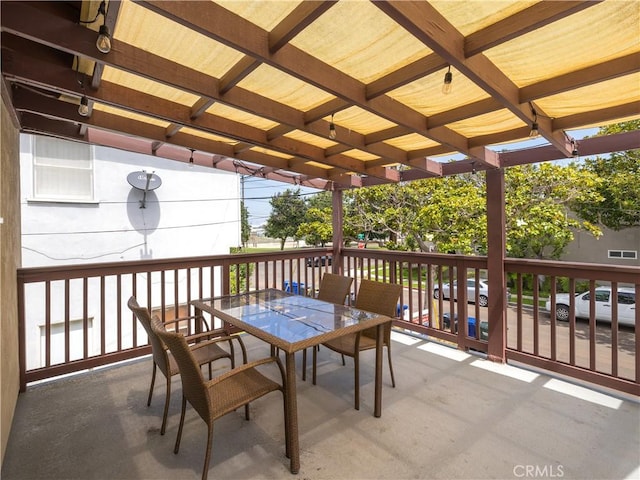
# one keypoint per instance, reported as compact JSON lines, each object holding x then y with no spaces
{"x":63,"y":272}
{"x":588,"y":271}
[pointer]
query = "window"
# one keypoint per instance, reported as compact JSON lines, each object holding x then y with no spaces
{"x":62,"y":170}
{"x":625,"y":298}
{"x":624,"y":254}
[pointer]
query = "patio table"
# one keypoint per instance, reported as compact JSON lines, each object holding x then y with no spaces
{"x":292,"y":323}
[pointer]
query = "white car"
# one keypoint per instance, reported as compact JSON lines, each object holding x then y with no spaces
{"x":603,"y":305}
{"x":483,"y":294}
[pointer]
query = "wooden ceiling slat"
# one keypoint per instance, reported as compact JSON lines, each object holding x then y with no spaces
{"x":299,"y":19}
{"x":425,"y":22}
{"x":219,"y":24}
{"x":39,"y":41}
{"x":525,"y":21}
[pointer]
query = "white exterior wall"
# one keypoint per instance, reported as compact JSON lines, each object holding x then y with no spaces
{"x":195,"y":212}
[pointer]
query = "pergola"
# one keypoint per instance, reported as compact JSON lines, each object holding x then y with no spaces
{"x":327,"y":94}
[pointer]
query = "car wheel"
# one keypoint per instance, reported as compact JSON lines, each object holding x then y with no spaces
{"x":562,"y":313}
{"x":436,"y":294}
{"x":483,"y":301}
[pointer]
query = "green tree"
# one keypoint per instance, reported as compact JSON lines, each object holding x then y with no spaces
{"x":452,"y":214}
{"x":539,"y":220}
{"x":317,"y":228}
{"x":287,"y":213}
{"x":618,"y":185}
{"x":245,"y":228}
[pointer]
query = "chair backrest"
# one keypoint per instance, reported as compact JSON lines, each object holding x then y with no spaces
{"x":334,"y":288}
{"x":193,"y":386}
{"x":157,"y":347}
{"x":378,"y":297}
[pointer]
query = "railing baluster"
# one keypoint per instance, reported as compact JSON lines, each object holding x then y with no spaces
{"x":553,"y":325}
{"x":572,"y":321}
{"x":67,"y":322}
{"x":103,"y":331}
{"x":85,"y":317}
{"x":536,"y":316}
{"x":47,"y":323}
{"x":119,"y":302}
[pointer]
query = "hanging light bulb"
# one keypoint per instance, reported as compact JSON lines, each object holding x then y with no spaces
{"x":83,"y":109}
{"x":191,"y":158}
{"x":103,"y":43}
{"x":332,"y":129}
{"x":574,"y":149}
{"x":448,"y":77}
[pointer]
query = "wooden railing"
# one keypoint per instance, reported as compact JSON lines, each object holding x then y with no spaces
{"x":75,"y":317}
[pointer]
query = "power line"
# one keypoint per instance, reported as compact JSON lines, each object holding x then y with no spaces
{"x":125,"y":230}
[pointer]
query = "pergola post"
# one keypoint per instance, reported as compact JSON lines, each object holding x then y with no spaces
{"x":496,"y":245}
{"x":336,"y":221}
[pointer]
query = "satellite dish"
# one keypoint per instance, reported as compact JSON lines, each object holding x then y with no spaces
{"x":144,"y":181}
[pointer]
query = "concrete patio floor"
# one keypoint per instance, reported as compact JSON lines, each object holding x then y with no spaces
{"x":453,"y":415}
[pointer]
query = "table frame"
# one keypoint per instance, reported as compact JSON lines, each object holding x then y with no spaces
{"x":293,"y":447}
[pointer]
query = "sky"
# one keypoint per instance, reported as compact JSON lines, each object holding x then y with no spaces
{"x":258,"y":191}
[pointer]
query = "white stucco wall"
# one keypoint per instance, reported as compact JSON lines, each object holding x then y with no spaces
{"x":195,"y":212}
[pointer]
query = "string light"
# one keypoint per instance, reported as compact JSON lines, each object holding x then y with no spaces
{"x":448,"y":77}
{"x":332,"y":129}
{"x":191,"y":158}
{"x":83,"y":109}
{"x":103,"y":42}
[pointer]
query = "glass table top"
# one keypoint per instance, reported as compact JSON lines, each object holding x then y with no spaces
{"x":292,"y":318}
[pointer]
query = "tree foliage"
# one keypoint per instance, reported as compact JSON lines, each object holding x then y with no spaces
{"x":287,"y":213}
{"x":245,"y":229}
{"x":449,"y":214}
{"x":618,"y":185}
{"x":539,"y":222}
{"x":317,"y":227}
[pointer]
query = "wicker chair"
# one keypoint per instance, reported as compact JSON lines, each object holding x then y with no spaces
{"x":221,"y":395}
{"x":164,"y":361}
{"x":333,"y":288}
{"x":373,"y":297}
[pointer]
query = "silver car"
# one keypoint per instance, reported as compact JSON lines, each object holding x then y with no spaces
{"x":483,"y":293}
{"x":603,"y":305}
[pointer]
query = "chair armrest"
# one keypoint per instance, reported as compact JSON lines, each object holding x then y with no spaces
{"x":206,"y":343}
{"x":224,"y":338}
{"x":208,"y":335}
{"x":203,"y":321}
{"x":247,"y":366}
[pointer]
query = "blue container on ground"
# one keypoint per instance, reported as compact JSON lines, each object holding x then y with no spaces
{"x":471,"y":324}
{"x":293,"y":287}
{"x":400,"y":310}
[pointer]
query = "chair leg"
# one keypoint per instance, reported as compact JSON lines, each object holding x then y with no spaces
{"x":246,"y":412}
{"x":179,"y":436}
{"x":343,"y":363}
{"x":393,"y":380}
{"x":153,"y":381}
{"x":167,"y":398}
{"x":207,"y":457}
{"x":315,"y":359}
{"x":304,"y":365}
{"x":287,"y":439}
{"x":356,"y":368}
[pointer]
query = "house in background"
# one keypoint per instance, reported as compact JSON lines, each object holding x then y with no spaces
{"x":613,"y":247}
{"x":78,"y":206}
